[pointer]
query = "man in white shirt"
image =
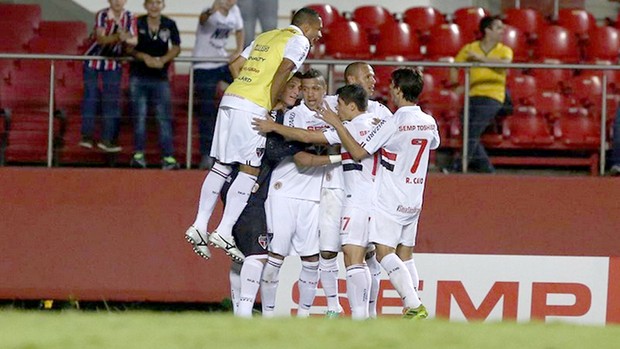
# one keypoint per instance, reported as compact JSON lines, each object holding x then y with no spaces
{"x":215,"y":26}
{"x":403,"y":142}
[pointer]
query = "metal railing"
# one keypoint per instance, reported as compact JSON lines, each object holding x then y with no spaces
{"x":330,"y":64}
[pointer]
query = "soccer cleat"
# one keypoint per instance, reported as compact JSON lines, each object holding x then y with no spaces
{"x":332,"y":314}
{"x":415,"y":313}
{"x":228,"y":245}
{"x":199,"y":243}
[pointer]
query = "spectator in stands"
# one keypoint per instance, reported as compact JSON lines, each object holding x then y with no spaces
{"x":114,"y":27}
{"x":614,"y":160}
{"x":487,"y":88}
{"x":214,"y":27}
{"x":266,"y":11}
{"x":158,"y":44}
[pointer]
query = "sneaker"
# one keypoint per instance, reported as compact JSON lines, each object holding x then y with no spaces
{"x":228,"y":245}
{"x":614,"y":170}
{"x":198,"y":241}
{"x":415,"y":313}
{"x":332,"y":314}
{"x":86,"y":142}
{"x":169,"y":163}
{"x":109,"y":147}
{"x":138,"y":160}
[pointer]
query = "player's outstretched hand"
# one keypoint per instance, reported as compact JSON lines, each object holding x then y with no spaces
{"x":329,"y":116}
{"x":263,"y":125}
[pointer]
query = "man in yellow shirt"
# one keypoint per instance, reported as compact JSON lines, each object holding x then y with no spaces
{"x":260,"y":73}
{"x":487,"y":86}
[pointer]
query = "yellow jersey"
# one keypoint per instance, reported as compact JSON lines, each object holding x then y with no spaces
{"x":486,"y":82}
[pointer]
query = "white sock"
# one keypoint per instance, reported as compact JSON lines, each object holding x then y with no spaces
{"x":358,"y":288}
{"x":308,"y":280}
{"x":269,"y":285}
{"x":236,"y":200}
{"x":235,"y":285}
{"x":375,"y":283}
{"x":401,"y":280}
{"x":250,"y":282}
{"x":328,"y":271}
{"x":413,"y":271}
{"x":210,"y":194}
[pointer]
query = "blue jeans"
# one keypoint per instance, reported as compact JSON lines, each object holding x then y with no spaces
{"x":205,"y":84}
{"x":614,"y":159}
{"x":482,"y":111}
{"x":110,"y":99}
{"x":146,"y":91}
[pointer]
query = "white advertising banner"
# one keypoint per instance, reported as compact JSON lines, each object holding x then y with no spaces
{"x":485,"y":288}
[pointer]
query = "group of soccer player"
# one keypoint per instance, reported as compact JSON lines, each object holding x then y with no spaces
{"x":330,"y":174}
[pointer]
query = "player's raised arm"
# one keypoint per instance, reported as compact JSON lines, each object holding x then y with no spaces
{"x":347,"y":141}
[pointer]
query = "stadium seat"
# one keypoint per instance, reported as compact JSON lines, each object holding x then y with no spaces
{"x":586,"y":90}
{"x":517,"y":41}
{"x":421,"y":19}
{"x":522,"y":88}
{"x":350,"y":43}
{"x":468,"y":19}
{"x":530,"y":21}
{"x":329,"y":15}
{"x":551,"y":79}
{"x":603,"y":46}
{"x":29,"y":13}
{"x":577,"y":129}
{"x":397,"y":39}
{"x":371,"y":18}
{"x":578,"y":21}
{"x":441,"y":103}
{"x":551,"y":105}
{"x":557,"y":45}
{"x":42,"y":44}
{"x":526,"y":128}
{"x":14,"y":39}
{"x":445,"y":41}
{"x":75,"y":31}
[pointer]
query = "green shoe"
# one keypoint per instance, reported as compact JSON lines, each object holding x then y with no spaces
{"x":169,"y":163}
{"x":332,"y":314}
{"x":415,"y":313}
{"x":138,"y":160}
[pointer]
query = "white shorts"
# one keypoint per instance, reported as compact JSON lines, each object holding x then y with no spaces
{"x":386,"y":231}
{"x":293,"y":225}
{"x":354,"y":230}
{"x":234,"y":140}
{"x":332,"y":200}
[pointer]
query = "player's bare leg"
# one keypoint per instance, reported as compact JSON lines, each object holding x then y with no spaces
{"x":401,"y":280}
{"x":236,"y":200}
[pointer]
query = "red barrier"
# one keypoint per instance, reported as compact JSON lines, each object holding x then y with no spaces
{"x":98,"y":234}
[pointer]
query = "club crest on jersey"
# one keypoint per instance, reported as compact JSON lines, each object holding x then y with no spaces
{"x":164,"y":34}
{"x":277,"y":185}
{"x":260,"y":152}
{"x":263,"y":241}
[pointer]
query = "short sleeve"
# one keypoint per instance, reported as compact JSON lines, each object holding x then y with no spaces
{"x":332,"y":136}
{"x":175,"y":37}
{"x":297,"y":49}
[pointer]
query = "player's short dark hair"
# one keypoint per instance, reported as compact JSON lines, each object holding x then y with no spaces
{"x":409,"y":81}
{"x":354,"y":93}
{"x":486,"y":22}
{"x":299,"y":75}
{"x":314,"y":74}
{"x":305,"y":15}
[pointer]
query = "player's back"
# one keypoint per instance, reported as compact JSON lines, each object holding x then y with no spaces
{"x":404,"y":163}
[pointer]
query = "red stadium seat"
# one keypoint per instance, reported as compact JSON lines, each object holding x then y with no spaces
{"x":42,"y":44}
{"x":522,"y":88}
{"x":468,"y":18}
{"x":551,"y":105}
{"x":445,"y":41}
{"x":421,"y":19}
{"x":371,"y":18}
{"x":526,"y":128}
{"x":76,"y":31}
{"x":557,"y":45}
{"x":29,"y":13}
{"x":329,"y":15}
{"x":441,"y":103}
{"x":552,"y":79}
{"x":603,"y":46}
{"x":398,"y":40}
{"x":14,"y":39}
{"x":578,"y":21}
{"x":586,"y":90}
{"x":577,"y":129}
{"x":517,"y":41}
{"x":351,"y":42}
{"x":530,"y":21}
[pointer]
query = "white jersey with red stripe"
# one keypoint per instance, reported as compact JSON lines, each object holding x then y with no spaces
{"x":358,"y":176}
{"x":287,"y":179}
{"x":404,"y":142}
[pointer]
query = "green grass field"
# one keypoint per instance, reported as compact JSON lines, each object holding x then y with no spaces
{"x":170,"y":330}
